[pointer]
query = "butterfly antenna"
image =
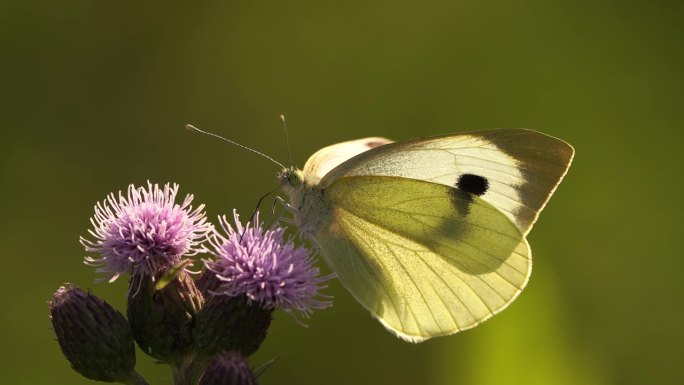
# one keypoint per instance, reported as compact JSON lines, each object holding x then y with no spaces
{"x":192,"y":128}
{"x":287,"y":139}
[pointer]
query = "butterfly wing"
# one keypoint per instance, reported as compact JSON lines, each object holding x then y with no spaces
{"x":522,"y":167}
{"x":327,"y":158}
{"x":424,"y":258}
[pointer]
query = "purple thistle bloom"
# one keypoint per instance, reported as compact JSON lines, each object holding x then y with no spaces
{"x":145,"y":231}
{"x":265,"y":267}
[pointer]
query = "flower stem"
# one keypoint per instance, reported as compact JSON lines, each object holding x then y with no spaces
{"x":190,"y":371}
{"x":136,"y":379}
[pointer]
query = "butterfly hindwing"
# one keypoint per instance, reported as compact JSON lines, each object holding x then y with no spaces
{"x":426,"y":259}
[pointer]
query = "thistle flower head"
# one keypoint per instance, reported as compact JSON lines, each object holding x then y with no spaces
{"x":266,"y":267}
{"x":145,"y":231}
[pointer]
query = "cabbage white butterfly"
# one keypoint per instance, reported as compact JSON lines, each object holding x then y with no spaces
{"x":428,"y":234}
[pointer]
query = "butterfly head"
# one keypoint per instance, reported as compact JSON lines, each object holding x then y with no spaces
{"x":293,"y":184}
{"x":291,"y":178}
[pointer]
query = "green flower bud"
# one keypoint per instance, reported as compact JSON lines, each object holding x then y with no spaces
{"x":231,"y":324}
{"x":162,"y":319}
{"x":207,"y":283}
{"x":94,"y":337}
{"x":228,"y":369}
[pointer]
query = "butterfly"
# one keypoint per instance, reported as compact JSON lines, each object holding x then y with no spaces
{"x":428,"y":234}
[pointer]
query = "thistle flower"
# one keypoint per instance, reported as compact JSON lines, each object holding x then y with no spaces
{"x":266,"y":267}
{"x":94,"y":337}
{"x":228,"y":369}
{"x":144,"y":232}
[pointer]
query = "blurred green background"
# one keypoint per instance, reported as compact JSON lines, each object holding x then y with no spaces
{"x":94,"y":96}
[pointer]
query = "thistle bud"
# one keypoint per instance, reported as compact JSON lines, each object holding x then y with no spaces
{"x":94,"y":337}
{"x":208,"y":283}
{"x":231,"y":324}
{"x":162,"y":320}
{"x":228,"y":369}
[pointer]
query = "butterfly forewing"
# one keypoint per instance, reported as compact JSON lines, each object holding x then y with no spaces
{"x":521,"y":167}
{"x":327,"y":158}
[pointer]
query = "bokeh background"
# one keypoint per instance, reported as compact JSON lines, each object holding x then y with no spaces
{"x":94,"y":96}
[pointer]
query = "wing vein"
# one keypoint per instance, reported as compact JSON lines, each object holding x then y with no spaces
{"x":377,"y":276}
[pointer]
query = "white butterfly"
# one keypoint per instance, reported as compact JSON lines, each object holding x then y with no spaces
{"x":429,"y":234}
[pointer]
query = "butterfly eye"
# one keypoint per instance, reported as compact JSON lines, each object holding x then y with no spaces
{"x":295,"y":178}
{"x":291,"y":177}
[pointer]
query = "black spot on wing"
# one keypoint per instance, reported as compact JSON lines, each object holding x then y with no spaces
{"x":474,"y":184}
{"x":466,"y":188}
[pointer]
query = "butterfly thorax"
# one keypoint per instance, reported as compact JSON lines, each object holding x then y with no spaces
{"x":307,"y":202}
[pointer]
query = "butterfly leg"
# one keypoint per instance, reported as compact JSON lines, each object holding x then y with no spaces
{"x":285,"y":206}
{"x":279,"y":216}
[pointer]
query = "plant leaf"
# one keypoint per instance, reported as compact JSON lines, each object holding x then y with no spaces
{"x":265,"y":366}
{"x":172,"y":273}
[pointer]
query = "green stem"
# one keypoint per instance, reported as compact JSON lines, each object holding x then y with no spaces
{"x":135,"y":379}
{"x":190,"y":371}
